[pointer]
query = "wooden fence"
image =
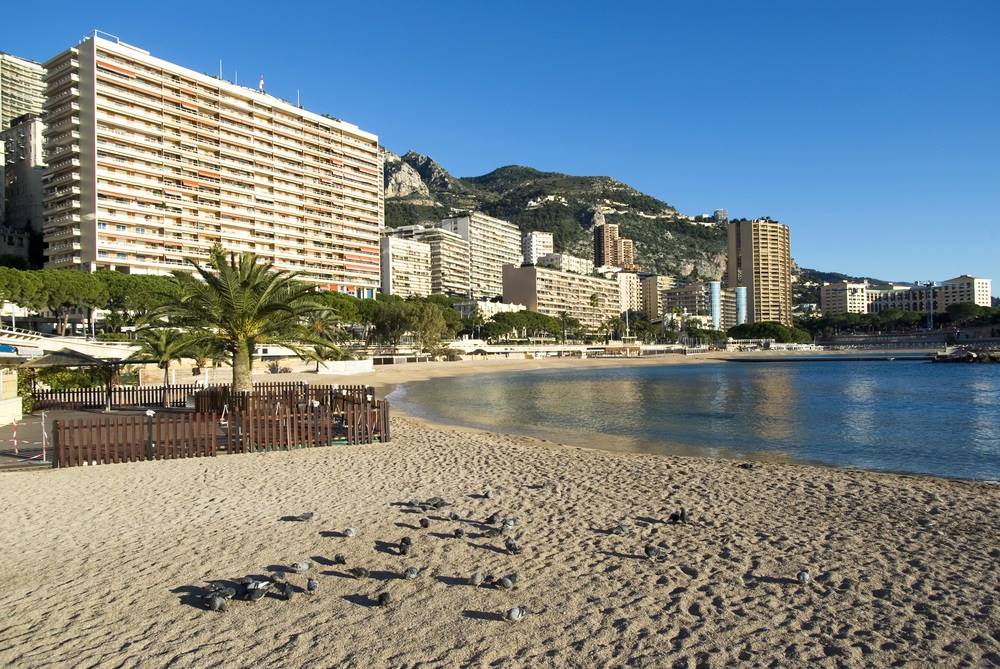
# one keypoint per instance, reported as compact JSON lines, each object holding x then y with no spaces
{"x":114,"y":439}
{"x":215,"y":398}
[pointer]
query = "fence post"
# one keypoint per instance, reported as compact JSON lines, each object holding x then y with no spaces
{"x":59,"y":456}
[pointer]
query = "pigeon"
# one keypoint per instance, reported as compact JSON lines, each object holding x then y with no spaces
{"x":287,"y":591}
{"x":620,"y":528}
{"x":804,"y":577}
{"x":491,"y":533}
{"x":488,"y":493}
{"x":414,"y":502}
{"x":411,"y":573}
{"x":653,"y":552}
{"x":683,"y":515}
{"x":745,"y":465}
{"x":350,"y":532}
{"x":459,"y":533}
{"x":453,"y":516}
{"x":515,"y":614}
{"x":494,"y":519}
{"x":674,"y":518}
{"x":424,"y":523}
{"x":312,"y":585}
{"x":215,"y":603}
{"x":277,"y":577}
{"x":256,"y":594}
{"x":512,"y":578}
{"x":405,"y":541}
{"x":509,"y":522}
{"x":359,"y":572}
{"x":512,"y":546}
{"x":339,"y":559}
{"x":436,"y":502}
{"x":506,"y":583}
{"x":476,"y":579}
{"x":404,"y":549}
{"x":383,"y":599}
{"x":300,"y":567}
{"x":221,"y":591}
{"x":489,"y":580}
{"x":308,"y":515}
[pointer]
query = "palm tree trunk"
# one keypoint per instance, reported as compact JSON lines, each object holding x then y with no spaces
{"x":166,"y":383}
{"x":242,"y":373}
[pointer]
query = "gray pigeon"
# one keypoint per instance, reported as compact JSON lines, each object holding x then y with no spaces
{"x":277,"y":577}
{"x":308,"y":515}
{"x":512,"y":546}
{"x":287,"y":590}
{"x":653,"y":552}
{"x":350,"y":532}
{"x":515,"y":614}
{"x":476,"y":579}
{"x":256,"y":594}
{"x":312,"y":585}
{"x":424,"y":523}
{"x":804,"y":577}
{"x":215,"y":603}
{"x":491,"y":533}
{"x":411,"y":573}
{"x":620,"y":528}
{"x":384,"y":599}
{"x":404,"y":549}
{"x":506,"y":583}
{"x":453,"y":516}
{"x":494,"y":519}
{"x":406,"y":540}
{"x":683,"y":515}
{"x":488,"y":493}
{"x":339,"y":559}
{"x":358,"y":572}
{"x":300,"y":567}
{"x":459,"y":533}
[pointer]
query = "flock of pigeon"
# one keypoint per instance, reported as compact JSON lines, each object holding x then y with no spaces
{"x":253,"y":589}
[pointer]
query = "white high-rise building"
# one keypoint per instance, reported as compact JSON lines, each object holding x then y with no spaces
{"x":151,"y":163}
{"x":21,"y":88}
{"x":22,"y":165}
{"x":566,"y":263}
{"x":492,"y":243}
{"x":535,"y":245}
{"x":449,"y":258}
{"x":630,"y":291}
{"x":406,"y":267}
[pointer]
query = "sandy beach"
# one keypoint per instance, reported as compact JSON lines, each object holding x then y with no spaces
{"x":103,"y":565}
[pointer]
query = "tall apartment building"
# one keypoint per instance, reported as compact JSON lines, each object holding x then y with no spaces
{"x":844,"y":297}
{"x":536,"y":244}
{"x":450,"y":267}
{"x":652,"y":287}
{"x":589,"y":299}
{"x":612,"y":250}
{"x":21,"y":88}
{"x":492,"y":243}
{"x":760,"y":259}
{"x":564,"y":262}
{"x":721,"y":216}
{"x":151,"y":163}
{"x":406,"y":267}
{"x":629,"y":291}
{"x":22,"y":164}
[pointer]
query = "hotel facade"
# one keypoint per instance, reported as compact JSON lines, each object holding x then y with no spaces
{"x":589,"y":299}
{"x":151,"y":163}
{"x":847,"y":297}
{"x":449,"y":258}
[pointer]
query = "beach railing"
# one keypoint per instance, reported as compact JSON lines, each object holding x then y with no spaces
{"x":215,"y":398}
{"x":166,"y":436}
{"x":121,"y":397}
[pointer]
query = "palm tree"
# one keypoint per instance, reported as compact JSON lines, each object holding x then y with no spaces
{"x":163,"y":346}
{"x":240,"y":303}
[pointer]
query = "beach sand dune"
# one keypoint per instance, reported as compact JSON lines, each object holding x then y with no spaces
{"x":102,"y":566}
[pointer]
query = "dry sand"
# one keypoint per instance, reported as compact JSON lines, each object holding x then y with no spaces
{"x":100,"y":564}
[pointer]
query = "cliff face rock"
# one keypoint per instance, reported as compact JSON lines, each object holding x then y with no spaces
{"x":433,"y":175}
{"x":401,"y":180}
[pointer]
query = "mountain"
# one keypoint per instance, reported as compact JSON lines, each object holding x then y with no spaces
{"x":418,"y":189}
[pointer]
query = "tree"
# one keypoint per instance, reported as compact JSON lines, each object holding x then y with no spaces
{"x":162,"y":346}
{"x":428,"y":326}
{"x":390,"y":321}
{"x":241,"y":303}
{"x":770,"y":330}
{"x":63,"y":290}
{"x":963,"y":313}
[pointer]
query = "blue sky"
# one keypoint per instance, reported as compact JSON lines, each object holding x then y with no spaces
{"x":871,"y":128}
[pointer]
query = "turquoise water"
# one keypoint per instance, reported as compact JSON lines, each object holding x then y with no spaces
{"x":898,"y":416}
